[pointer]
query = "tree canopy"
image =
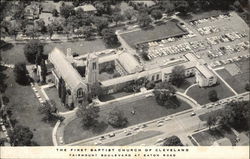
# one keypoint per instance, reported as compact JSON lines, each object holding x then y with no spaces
{"x":178,"y":76}
{"x":144,"y":19}
{"x":117,"y":119}
{"x":212,"y":95}
{"x":20,"y":73}
{"x":156,"y":14}
{"x":110,"y":38}
{"x":32,"y":48}
{"x":173,"y":141}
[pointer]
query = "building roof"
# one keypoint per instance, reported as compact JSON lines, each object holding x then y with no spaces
{"x":65,"y":69}
{"x":149,"y":3}
{"x":204,"y":70}
{"x":129,"y":62}
{"x":87,"y":8}
{"x":223,"y":142}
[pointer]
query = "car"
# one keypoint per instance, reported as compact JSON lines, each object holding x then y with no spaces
{"x":193,"y":114}
{"x":61,"y":140}
{"x":128,"y":133}
{"x":159,"y":124}
{"x":149,"y":95}
{"x":112,"y":135}
{"x":136,"y":128}
{"x":98,"y":143}
{"x":143,"y":125}
{"x":102,"y":138}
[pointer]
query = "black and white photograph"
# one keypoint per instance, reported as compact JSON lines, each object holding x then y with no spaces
{"x":108,"y":73}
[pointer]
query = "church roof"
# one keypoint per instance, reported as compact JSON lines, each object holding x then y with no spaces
{"x":70,"y":75}
{"x":129,"y":62}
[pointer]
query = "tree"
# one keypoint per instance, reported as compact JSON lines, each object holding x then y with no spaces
{"x":247,"y":87}
{"x":178,"y":76}
{"x":212,"y":95}
{"x":211,"y":121}
{"x":49,"y":109}
{"x":182,"y":7}
{"x":88,"y":32}
{"x":116,"y":118}
{"x":156,"y":14}
{"x":20,"y":72}
{"x":43,"y":70}
{"x":21,"y":136}
{"x":110,"y":38}
{"x":40,"y":26}
{"x":129,"y":13}
{"x":100,"y":23}
{"x":88,"y":115}
{"x":54,"y":12}
{"x":117,"y":17}
{"x":95,"y":90}
{"x":173,"y":141}
{"x":50,"y":30}
{"x":165,"y":94}
{"x":32,"y":48}
{"x":144,"y":20}
{"x":66,"y":11}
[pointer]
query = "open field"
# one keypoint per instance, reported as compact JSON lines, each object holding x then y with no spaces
{"x":25,"y":110}
{"x":143,"y":113}
{"x":169,"y":29}
{"x":108,"y":97}
{"x":208,"y":137}
{"x":201,"y":94}
{"x":238,"y":81}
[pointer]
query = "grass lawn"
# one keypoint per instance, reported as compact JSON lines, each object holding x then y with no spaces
{"x":238,"y":81}
{"x":25,"y":110}
{"x":208,"y":137}
{"x":52,"y":93}
{"x":169,"y":29}
{"x":16,"y":55}
{"x":113,"y":96}
{"x":135,"y":138}
{"x":188,"y":82}
{"x":201,"y":94}
{"x":143,"y":113}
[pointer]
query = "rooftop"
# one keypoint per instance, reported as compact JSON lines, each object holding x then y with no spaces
{"x":86,"y":8}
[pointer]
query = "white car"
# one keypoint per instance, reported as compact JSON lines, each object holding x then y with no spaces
{"x":61,"y":140}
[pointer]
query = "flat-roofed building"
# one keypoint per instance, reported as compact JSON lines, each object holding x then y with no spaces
{"x":204,"y":77}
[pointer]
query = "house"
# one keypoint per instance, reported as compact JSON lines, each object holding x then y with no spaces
{"x":88,"y":8}
{"x":32,"y":11}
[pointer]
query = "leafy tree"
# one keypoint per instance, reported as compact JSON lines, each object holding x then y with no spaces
{"x":95,"y":90}
{"x":43,"y":70}
{"x":40,"y":26}
{"x":178,"y":76}
{"x":88,"y":32}
{"x":88,"y":115}
{"x":129,"y":13}
{"x":116,"y":118}
{"x":66,"y":11}
{"x":173,"y":141}
{"x":20,"y":72}
{"x":150,"y":85}
{"x":110,"y":38}
{"x":50,"y":30}
{"x":55,"y":13}
{"x":101,"y":23}
{"x":63,"y":92}
{"x":165,"y":94}
{"x":60,"y":87}
{"x":182,"y":7}
{"x":144,"y":20}
{"x":48,"y":109}
{"x":247,"y":87}
{"x":156,"y":14}
{"x":21,"y":136}
{"x":32,"y":48}
{"x":102,"y":7}
{"x":212,"y":95}
{"x":117,"y":17}
{"x":211,"y":121}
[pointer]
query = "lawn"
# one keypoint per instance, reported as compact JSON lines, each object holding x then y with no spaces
{"x":201,"y":94}
{"x":16,"y":55}
{"x":169,"y":29}
{"x":208,"y":137}
{"x":52,"y":93}
{"x":188,"y":82}
{"x":238,"y":81}
{"x":143,"y":113}
{"x":108,"y":97}
{"x":25,"y":110}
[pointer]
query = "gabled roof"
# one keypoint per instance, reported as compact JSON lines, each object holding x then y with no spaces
{"x":87,"y":8}
{"x":70,"y":75}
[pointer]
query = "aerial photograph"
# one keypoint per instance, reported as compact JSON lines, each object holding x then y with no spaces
{"x":124,"y":73}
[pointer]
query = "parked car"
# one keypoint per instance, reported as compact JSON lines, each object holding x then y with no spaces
{"x":111,"y":134}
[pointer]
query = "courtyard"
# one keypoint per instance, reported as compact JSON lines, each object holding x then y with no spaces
{"x":143,"y":113}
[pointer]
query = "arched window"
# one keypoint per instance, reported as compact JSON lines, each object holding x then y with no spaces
{"x":79,"y":92}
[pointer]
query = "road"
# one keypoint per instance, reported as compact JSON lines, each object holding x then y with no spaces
{"x":181,"y":124}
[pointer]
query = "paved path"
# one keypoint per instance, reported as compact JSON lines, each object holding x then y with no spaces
{"x":190,"y":87}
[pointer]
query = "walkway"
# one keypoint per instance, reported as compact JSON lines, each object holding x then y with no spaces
{"x":190,"y":87}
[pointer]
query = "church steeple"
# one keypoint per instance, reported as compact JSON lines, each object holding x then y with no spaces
{"x":92,"y":69}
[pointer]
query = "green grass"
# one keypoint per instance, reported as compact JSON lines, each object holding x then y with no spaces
{"x":16,"y":54}
{"x":108,"y":97}
{"x":52,"y":93}
{"x":201,"y":94}
{"x":188,"y":82}
{"x":169,"y":29}
{"x":143,"y":113}
{"x":208,"y":137}
{"x":238,"y":81}
{"x":25,"y":110}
